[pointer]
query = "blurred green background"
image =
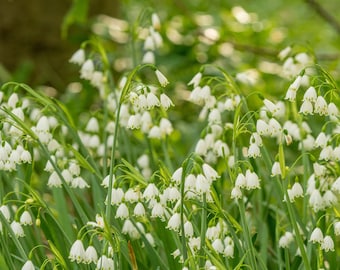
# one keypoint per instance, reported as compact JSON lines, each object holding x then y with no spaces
{"x":195,"y":32}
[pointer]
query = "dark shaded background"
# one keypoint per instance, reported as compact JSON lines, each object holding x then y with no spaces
{"x":30,"y":39}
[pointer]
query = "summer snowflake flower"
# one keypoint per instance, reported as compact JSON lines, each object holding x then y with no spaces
{"x":337,"y":228}
{"x":28,"y":265}
{"x":209,"y":172}
{"x":91,"y":255}
{"x":321,"y":106}
{"x":286,"y":239}
{"x":218,"y":245}
{"x":163,"y":81}
{"x":122,"y":211}
{"x":77,"y":252}
{"x":17,"y":229}
{"x":78,"y":57}
{"x":105,"y":263}
{"x":174,"y":222}
{"x":166,"y":102}
{"x":195,"y":81}
{"x":316,"y":236}
{"x":252,"y":180}
{"x":188,"y":229}
{"x":5,"y":211}
{"x":327,"y":244}
{"x":25,"y":218}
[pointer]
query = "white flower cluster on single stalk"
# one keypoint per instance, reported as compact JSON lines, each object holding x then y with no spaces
{"x":221,"y":242}
{"x":12,"y":150}
{"x":248,"y":181}
{"x":152,"y":40}
{"x":89,"y":255}
{"x":293,"y":64}
{"x":326,"y":243}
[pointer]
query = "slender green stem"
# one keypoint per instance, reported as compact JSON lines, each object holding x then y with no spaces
{"x":247,"y":236}
{"x":297,"y":231}
{"x":287,"y":261}
{"x":203,"y":228}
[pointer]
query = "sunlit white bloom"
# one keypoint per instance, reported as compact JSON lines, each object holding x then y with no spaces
{"x":236,"y":193}
{"x":13,"y":100}
{"x":139,"y":210}
{"x":284,"y":53}
{"x":337,"y":228}
{"x":155,"y":133}
{"x":172,"y":194}
{"x":79,"y":182}
{"x":26,"y":218}
{"x":218,"y":245}
{"x":130,"y":229}
{"x":5,"y":211}
{"x":214,"y":116}
{"x":316,"y":201}
{"x":150,"y":192}
{"x":92,"y":125}
{"x":174,"y":222}
{"x":87,"y":70}
{"x":209,"y":172}
{"x":310,"y":95}
{"x":17,"y":229}
{"x":228,"y":251}
{"x":308,"y":143}
{"x":177,"y":176}
{"x":152,"y":100}
{"x":327,"y":244}
{"x":78,"y":57}
{"x":321,"y":140}
{"x":156,"y":23}
{"x":117,"y":195}
{"x":166,"y":102}
{"x":321,"y":106}
{"x":286,"y":239}
{"x":254,"y":151}
{"x":276,"y":169}
{"x":132,"y":195}
{"x":319,"y":170}
{"x":165,"y":126}
{"x":329,"y":198}
{"x":77,"y":252}
{"x":262,"y":128}
{"x":316,"y":236}
{"x":91,"y":255}
{"x":221,"y":149}
{"x":333,"y":110}
{"x":149,"y":44}
{"x":188,"y":229}
{"x":149,"y":58}
{"x":74,"y":168}
{"x":158,"y":210}
{"x":163,"y":81}
{"x":290,"y":95}
{"x":54,"y":180}
{"x":296,"y":84}
{"x":297,"y":190}
{"x":202,"y":184}
{"x":273,"y":108}
{"x":28,"y":265}
{"x":122,"y":211}
{"x":106,"y":180}
{"x":195,"y":81}
{"x":306,"y":107}
{"x":326,"y":153}
{"x":336,"y":185}
{"x":240,"y":181}
{"x":252,"y":180}
{"x":134,"y":121}
{"x":201,"y":147}
{"x":105,"y":263}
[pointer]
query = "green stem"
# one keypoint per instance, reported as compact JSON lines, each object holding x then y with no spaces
{"x":297,"y":231}
{"x":247,"y":237}
{"x":203,"y":229}
{"x":287,"y":259}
